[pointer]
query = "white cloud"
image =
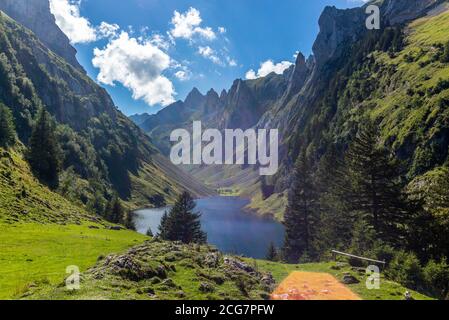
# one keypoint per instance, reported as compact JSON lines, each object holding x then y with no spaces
{"x":67,"y":14}
{"x":107,"y":30}
{"x":188,"y":24}
{"x":182,"y":75}
{"x":231,"y":62}
{"x":138,"y":65}
{"x":251,"y":75}
{"x":268,"y":67}
{"x":160,"y":41}
{"x":209,"y":53}
{"x":222,"y":30}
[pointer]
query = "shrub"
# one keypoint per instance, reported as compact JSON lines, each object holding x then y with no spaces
{"x":436,"y":278}
{"x":445,"y":56}
{"x":406,"y":269}
{"x":7,"y":130}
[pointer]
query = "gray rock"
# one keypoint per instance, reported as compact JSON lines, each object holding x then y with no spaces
{"x":350,"y":279}
{"x":206,"y":287}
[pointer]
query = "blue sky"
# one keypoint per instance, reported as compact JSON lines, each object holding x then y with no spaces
{"x":148,"y":53}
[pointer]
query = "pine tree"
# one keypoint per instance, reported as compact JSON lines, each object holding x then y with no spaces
{"x":445,"y":57}
{"x":7,"y":130}
{"x":43,"y":151}
{"x":115,"y":212}
{"x":336,"y":222}
{"x":150,"y":233}
{"x":272,"y":254}
{"x":129,"y":220}
{"x":376,"y":193}
{"x":165,"y":227}
{"x":301,"y":214}
{"x":182,"y":223}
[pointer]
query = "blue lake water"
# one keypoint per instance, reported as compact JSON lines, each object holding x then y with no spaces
{"x":228,"y":226}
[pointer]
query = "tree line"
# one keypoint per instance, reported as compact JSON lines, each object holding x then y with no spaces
{"x":360,"y":201}
{"x":45,"y":157}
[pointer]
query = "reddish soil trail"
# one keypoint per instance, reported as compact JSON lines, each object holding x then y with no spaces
{"x":312,"y":286}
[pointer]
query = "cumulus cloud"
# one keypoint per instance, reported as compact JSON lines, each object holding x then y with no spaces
{"x":187,"y":25}
{"x":268,"y":67}
{"x":209,"y":53}
{"x":67,"y":14}
{"x":139,"y":66}
{"x":107,"y":30}
{"x":182,"y":75}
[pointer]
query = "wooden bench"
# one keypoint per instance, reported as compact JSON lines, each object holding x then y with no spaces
{"x":335,"y":253}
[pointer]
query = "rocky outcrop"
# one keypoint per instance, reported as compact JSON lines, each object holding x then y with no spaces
{"x":340,"y":28}
{"x":300,"y":74}
{"x":400,"y":11}
{"x":36,"y":16}
{"x":337,"y":27}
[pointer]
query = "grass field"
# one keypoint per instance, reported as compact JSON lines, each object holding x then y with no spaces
{"x":36,"y":253}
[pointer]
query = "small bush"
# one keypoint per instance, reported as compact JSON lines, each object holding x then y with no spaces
{"x":445,"y":56}
{"x":436,"y":278}
{"x":406,"y":269}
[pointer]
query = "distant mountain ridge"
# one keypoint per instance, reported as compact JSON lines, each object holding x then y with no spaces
{"x":306,"y":102}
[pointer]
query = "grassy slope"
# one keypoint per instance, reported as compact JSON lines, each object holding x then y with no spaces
{"x":32,"y":253}
{"x":41,"y":233}
{"x":408,"y":115}
{"x":388,"y":290}
{"x":186,"y":268}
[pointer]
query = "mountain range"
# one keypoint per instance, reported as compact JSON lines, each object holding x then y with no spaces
{"x":389,"y":75}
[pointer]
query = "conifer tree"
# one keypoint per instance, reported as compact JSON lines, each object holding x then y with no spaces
{"x":115,"y":212}
{"x":7,"y":130}
{"x":150,"y":233}
{"x":445,"y":58}
{"x":182,"y":223}
{"x":376,"y":193}
{"x":336,"y":221}
{"x":301,"y":214}
{"x":272,"y":254}
{"x":129,"y":220}
{"x":43,"y":151}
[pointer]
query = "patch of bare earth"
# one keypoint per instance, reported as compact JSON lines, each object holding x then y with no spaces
{"x":312,"y":286}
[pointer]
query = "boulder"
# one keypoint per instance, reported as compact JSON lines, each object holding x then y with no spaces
{"x":350,"y":279}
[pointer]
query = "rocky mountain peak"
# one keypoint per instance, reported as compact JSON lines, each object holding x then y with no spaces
{"x":194,"y":99}
{"x":299,"y":75}
{"x":36,"y":16}
{"x":212,"y":94}
{"x":223,"y":94}
{"x":336,"y":27}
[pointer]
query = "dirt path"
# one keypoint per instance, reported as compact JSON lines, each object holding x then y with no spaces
{"x":312,"y":286}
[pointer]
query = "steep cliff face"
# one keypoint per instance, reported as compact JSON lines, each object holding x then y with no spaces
{"x":36,"y":16}
{"x":337,"y":27}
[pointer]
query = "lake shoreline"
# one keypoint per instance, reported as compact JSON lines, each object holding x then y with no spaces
{"x":230,"y":226}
